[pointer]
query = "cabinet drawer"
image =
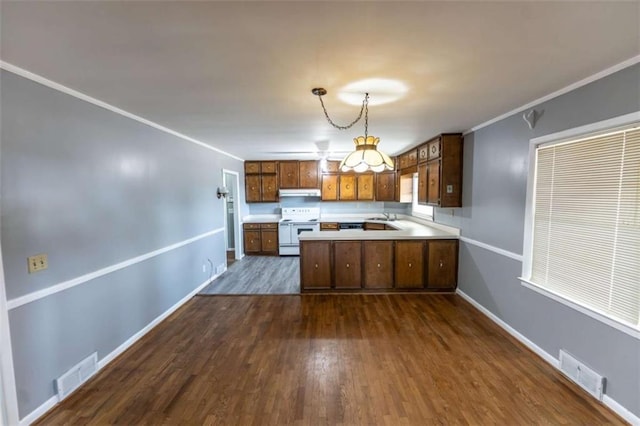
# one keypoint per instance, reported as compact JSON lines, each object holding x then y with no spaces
{"x":251,"y":225}
{"x":269,"y":225}
{"x":329,"y":226}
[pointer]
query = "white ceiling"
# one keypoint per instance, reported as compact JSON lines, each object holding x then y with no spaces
{"x":238,"y":75}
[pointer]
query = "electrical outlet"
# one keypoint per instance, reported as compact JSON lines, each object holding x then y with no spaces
{"x":37,"y":263}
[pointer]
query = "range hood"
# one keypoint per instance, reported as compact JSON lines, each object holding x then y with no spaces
{"x":299,"y":193}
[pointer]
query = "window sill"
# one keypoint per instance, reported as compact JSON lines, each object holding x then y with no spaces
{"x":618,"y":325}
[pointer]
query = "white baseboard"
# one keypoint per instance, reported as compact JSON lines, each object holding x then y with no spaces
{"x":54,"y":400}
{"x":555,"y":363}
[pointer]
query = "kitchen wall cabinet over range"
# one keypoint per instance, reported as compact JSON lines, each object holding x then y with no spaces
{"x":394,"y":265}
{"x":296,"y":174}
{"x":261,"y":182}
{"x":260,"y":238}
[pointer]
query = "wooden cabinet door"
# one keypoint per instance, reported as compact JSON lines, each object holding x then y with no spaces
{"x":409,"y":264}
{"x":369,"y":226}
{"x":332,"y":166}
{"x":385,"y":186}
{"x":252,"y":188}
{"x":329,"y":190}
{"x":433,"y":147}
{"x":329,"y":226}
{"x":365,"y":187}
{"x":412,"y":158}
{"x":423,"y":153}
{"x":269,"y":240}
{"x":308,"y":174}
{"x":378,"y":264}
{"x":347,"y":264}
{"x":315,"y":264}
{"x":422,"y":183}
{"x":289,"y":177}
{"x":268,"y":167}
{"x":251,"y":167}
{"x":252,"y":241}
{"x":442,"y":269}
{"x":433,"y":182}
{"x":269,"y":188}
{"x":347,"y":188}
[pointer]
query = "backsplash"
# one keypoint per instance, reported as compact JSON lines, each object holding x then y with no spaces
{"x":330,"y":207}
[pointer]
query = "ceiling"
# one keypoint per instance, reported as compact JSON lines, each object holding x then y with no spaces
{"x":238,"y":75}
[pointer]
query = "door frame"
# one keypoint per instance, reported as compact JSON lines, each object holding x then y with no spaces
{"x":237,"y":235}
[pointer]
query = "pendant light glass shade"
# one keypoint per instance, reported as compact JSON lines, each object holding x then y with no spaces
{"x":366,"y":157}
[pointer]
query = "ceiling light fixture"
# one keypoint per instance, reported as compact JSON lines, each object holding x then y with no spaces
{"x":366,"y":155}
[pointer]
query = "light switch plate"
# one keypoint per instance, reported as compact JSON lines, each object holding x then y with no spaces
{"x":37,"y":263}
{"x":449,"y":189}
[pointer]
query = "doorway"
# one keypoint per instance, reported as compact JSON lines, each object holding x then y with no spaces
{"x":231,"y":180}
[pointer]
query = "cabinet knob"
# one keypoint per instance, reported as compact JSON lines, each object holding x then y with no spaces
{"x":316,"y":266}
{"x":410,"y":265}
{"x":288,"y":174}
{"x":328,"y":186}
{"x":433,"y":181}
{"x":347,"y":186}
{"x":378,"y":265}
{"x":347,"y":265}
{"x":384,"y":186}
{"x":441,"y":264}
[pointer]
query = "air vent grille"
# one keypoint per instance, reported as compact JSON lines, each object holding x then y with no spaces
{"x":77,"y":375}
{"x":584,"y":376}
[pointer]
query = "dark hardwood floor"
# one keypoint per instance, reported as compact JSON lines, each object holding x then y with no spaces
{"x":259,"y":275}
{"x":401,"y":359}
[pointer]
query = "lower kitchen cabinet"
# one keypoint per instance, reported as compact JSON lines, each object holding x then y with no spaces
{"x":409,"y":264}
{"x":260,"y":238}
{"x":315,"y":265}
{"x":347,"y":264}
{"x":442,"y":267}
{"x":378,"y":264}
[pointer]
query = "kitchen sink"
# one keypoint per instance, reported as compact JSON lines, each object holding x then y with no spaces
{"x":383,"y":219}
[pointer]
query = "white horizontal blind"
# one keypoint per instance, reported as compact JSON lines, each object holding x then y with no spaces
{"x":586,"y":226}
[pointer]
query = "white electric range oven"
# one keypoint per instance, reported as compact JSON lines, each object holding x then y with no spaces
{"x":294,"y":221}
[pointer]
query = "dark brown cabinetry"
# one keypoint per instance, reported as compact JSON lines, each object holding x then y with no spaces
{"x":368,"y":226}
{"x":365,"y":187}
{"x":289,"y":174}
{"x":308,"y":173}
{"x":347,"y":191}
{"x":260,"y":238}
{"x":442,"y":266}
{"x":409,"y":264}
{"x":329,"y":226}
{"x":386,"y":186}
{"x":329,"y":190}
{"x":315,"y":264}
{"x":378,"y":264}
{"x":441,"y":171}
{"x":261,"y":182}
{"x":347,"y":264}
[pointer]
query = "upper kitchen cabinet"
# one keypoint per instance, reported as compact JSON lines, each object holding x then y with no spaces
{"x":289,"y":174}
{"x":365,"y":186}
{"x":347,"y":187}
{"x":386,"y":186}
{"x":308,"y":172}
{"x":261,"y":183}
{"x":329,"y":190}
{"x":440,"y":171}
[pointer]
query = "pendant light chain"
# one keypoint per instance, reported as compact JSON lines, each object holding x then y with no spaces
{"x":366,"y":116}
{"x":364,"y":108}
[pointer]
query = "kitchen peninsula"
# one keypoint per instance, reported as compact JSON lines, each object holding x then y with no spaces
{"x":408,"y":256}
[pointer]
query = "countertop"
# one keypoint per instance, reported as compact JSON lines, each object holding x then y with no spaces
{"x":261,"y":218}
{"x":406,"y":230}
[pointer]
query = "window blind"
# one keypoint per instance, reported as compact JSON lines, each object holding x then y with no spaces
{"x":586,"y":223}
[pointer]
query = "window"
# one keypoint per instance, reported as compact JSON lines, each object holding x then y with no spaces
{"x":419,"y":210}
{"x":584,"y":219}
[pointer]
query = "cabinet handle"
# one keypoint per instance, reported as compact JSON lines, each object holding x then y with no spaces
{"x":347,"y":265}
{"x":316,"y":266}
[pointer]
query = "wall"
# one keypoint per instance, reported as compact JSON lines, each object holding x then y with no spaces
{"x":92,"y":189}
{"x":495,"y":176}
{"x":330,"y":207}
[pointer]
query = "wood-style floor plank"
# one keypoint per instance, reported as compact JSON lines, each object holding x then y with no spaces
{"x":400,"y":359}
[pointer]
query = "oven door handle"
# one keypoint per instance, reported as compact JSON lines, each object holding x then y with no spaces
{"x":304,"y":229}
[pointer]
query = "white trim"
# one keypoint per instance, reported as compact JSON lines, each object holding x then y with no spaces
{"x":597,"y":76}
{"x":237,"y":235}
{"x":494,"y":249}
{"x":554,"y":362}
{"x":64,"y":89}
{"x":512,"y":331}
{"x":51,"y":402}
{"x":627,"y":329}
{"x":620,"y":410}
{"x":36,"y":295}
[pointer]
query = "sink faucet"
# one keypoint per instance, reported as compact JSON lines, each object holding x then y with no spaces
{"x":386,"y":215}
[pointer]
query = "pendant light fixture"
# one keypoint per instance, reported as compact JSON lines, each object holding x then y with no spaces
{"x":366,"y":155}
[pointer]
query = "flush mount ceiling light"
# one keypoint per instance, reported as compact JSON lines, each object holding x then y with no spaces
{"x":366,"y":155}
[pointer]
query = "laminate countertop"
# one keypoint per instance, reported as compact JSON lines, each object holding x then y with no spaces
{"x":262,"y":218}
{"x":405,"y":230}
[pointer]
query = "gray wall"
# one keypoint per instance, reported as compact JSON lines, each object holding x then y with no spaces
{"x":495,"y":175}
{"x":91,"y":189}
